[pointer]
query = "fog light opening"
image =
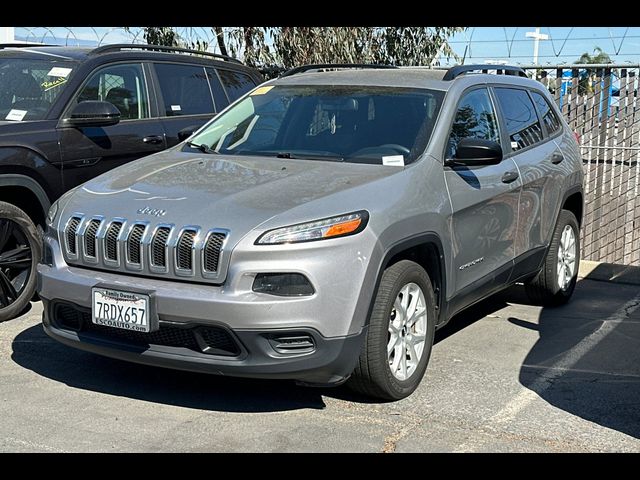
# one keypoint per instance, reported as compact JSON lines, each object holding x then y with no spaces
{"x":292,"y":343}
{"x":283,"y":284}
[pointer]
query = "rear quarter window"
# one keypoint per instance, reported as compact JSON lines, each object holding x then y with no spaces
{"x":236,"y":83}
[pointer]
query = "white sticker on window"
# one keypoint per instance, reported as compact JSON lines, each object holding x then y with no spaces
{"x":393,"y":160}
{"x":16,"y":115}
{"x":59,"y":72}
{"x":176,"y":108}
{"x":514,"y":145}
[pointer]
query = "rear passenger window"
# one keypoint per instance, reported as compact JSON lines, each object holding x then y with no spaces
{"x":520,"y":116}
{"x":236,"y":83}
{"x":549,"y":117}
{"x":185,"y":89}
{"x":475,"y":118}
{"x":219,"y":97}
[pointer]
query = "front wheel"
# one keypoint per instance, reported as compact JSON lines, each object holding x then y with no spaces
{"x":400,"y":335}
{"x":19,"y":254}
{"x":555,"y":283}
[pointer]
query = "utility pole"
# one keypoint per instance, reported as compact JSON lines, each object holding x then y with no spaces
{"x":537,"y":36}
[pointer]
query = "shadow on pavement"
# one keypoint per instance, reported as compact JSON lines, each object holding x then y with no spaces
{"x":34,"y":350}
{"x":587,"y":358}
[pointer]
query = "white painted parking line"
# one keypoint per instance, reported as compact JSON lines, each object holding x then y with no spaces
{"x":555,"y":371}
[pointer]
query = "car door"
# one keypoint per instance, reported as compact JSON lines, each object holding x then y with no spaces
{"x":533,"y":147}
{"x":484,"y":203}
{"x":89,"y":151}
{"x":190,"y":95}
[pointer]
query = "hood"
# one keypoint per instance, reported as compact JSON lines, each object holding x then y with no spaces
{"x":237,"y":193}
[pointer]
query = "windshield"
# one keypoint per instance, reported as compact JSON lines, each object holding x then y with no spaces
{"x":28,"y":88}
{"x":363,"y":124}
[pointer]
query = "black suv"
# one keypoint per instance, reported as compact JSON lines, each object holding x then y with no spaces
{"x":68,"y":114}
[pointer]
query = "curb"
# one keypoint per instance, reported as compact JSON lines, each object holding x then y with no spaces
{"x":609,"y":272}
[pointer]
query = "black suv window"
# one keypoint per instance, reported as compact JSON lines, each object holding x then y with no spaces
{"x":219,"y":96}
{"x":123,"y":85}
{"x":475,"y":118}
{"x":185,"y":89}
{"x":236,"y":83}
{"x":549,"y":117}
{"x":520,"y":116}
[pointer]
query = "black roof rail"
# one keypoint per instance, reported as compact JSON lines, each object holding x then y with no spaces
{"x":320,"y":66}
{"x":25,"y":45}
{"x":458,"y":70}
{"x":159,"y":48}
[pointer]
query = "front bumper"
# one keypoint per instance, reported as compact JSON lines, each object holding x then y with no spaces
{"x":330,"y":363}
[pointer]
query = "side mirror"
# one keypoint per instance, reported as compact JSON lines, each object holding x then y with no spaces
{"x":93,"y":113}
{"x":187,"y":132}
{"x":472,"y":152}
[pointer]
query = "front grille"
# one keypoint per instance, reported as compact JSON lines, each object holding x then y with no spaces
{"x":212,"y":251}
{"x":134,"y":243}
{"x":72,"y":229}
{"x":186,"y":252}
{"x":90,"y":237}
{"x":158,"y":247}
{"x":184,"y":259}
{"x":202,"y":339}
{"x":111,"y":241}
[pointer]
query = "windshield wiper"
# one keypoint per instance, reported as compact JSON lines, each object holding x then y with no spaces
{"x":302,"y":156}
{"x":202,"y":147}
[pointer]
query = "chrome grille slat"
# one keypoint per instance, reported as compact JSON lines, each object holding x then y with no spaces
{"x":111,"y":241}
{"x":90,"y":237}
{"x":134,"y":243}
{"x":211,"y":252}
{"x":70,"y":234}
{"x":139,"y":247}
{"x":184,"y":250}
{"x":159,"y":247}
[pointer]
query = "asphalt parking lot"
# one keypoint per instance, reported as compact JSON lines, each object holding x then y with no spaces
{"x":504,"y":376}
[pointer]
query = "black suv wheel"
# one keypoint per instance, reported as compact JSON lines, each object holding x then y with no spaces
{"x":20,"y":249}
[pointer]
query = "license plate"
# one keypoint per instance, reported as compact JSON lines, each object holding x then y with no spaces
{"x":118,"y":309}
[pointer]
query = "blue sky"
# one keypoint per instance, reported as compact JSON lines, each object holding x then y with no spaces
{"x":565,"y":44}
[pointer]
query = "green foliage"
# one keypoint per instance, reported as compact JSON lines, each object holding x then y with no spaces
{"x":287,"y":47}
{"x":586,"y":82}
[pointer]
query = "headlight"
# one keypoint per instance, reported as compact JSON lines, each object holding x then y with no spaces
{"x":340,"y":226}
{"x":51,"y":215}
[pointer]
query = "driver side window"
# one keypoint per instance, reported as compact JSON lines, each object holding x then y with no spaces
{"x":475,"y":118}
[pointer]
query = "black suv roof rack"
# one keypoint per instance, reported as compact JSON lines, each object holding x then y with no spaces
{"x":160,"y":48}
{"x":24,"y":45}
{"x":458,"y":70}
{"x":321,"y":66}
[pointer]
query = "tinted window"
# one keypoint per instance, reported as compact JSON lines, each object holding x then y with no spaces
{"x":549,"y":117}
{"x":338,"y":123}
{"x":520,"y":116}
{"x":236,"y":83}
{"x":475,"y":118}
{"x":185,"y":89}
{"x":219,"y":97}
{"x":123,"y":85}
{"x":28,"y":88}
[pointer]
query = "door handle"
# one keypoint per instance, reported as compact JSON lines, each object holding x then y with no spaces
{"x":556,"y":158}
{"x":509,"y":177}
{"x":153,"y":139}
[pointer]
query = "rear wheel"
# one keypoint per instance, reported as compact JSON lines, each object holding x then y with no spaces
{"x":555,"y":283}
{"x":400,"y":335}
{"x":19,"y":253}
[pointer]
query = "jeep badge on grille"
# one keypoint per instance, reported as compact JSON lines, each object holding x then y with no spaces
{"x":157,"y":212}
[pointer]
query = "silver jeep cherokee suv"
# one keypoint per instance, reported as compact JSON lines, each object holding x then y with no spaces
{"x":322,"y":227}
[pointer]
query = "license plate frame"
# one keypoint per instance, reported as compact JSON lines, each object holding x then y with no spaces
{"x":126,"y":297}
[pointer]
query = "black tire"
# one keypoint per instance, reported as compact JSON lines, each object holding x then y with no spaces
{"x":544,"y":289}
{"x":20,"y":250}
{"x":372,"y":375}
